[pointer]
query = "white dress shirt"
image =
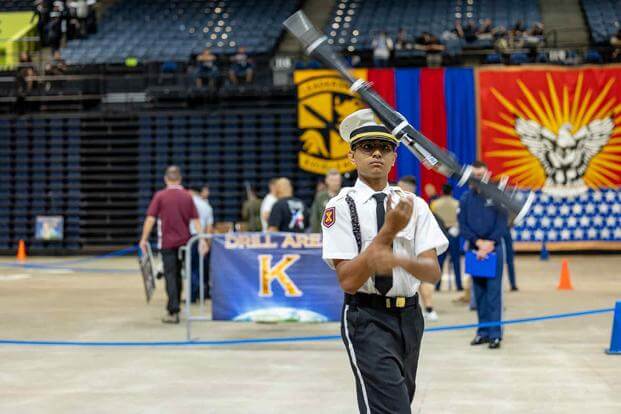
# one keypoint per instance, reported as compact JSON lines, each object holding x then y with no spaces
{"x":422,"y":233}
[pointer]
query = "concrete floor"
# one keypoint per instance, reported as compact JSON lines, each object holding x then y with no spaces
{"x":556,"y":366}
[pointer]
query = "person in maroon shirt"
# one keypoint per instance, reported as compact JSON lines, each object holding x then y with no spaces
{"x":175,"y":209}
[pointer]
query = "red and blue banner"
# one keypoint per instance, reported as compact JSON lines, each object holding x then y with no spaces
{"x":555,"y":131}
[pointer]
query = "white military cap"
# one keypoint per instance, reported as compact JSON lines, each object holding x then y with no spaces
{"x":361,"y":126}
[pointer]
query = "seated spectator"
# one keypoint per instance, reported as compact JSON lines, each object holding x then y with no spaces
{"x":458,"y":29}
{"x":615,"y":42}
{"x":519,"y":28}
{"x":23,"y":81}
{"x":25,"y":71}
{"x":402,"y":42}
{"x":432,"y":47}
{"x":486,"y":31}
{"x":470,"y":31}
{"x":382,"y":47}
{"x":207,"y":71}
{"x":55,"y":67}
{"x":242,"y":68}
{"x":533,"y":38}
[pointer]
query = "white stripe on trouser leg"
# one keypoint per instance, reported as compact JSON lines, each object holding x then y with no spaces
{"x":504,"y":261}
{"x":352,"y":355}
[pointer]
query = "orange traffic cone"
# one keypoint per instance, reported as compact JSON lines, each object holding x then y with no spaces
{"x":21,"y":251}
{"x":564,"y":282}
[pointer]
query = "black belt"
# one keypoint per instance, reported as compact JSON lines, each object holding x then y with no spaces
{"x":381,"y":302}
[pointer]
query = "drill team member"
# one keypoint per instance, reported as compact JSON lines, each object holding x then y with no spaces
{"x":382,"y":242}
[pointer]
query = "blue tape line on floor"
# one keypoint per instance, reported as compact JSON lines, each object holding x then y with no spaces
{"x":289,"y":339}
{"x":117,"y":253}
{"x":73,"y":269}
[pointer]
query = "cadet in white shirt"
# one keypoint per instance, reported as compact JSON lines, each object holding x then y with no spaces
{"x":382,"y":242}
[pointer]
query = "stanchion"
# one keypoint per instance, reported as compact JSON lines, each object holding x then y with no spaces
{"x":615,"y":337}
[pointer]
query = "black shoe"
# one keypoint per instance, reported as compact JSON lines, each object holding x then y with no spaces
{"x":479,"y":340}
{"x":494,"y":343}
{"x":514,"y":289}
{"x":174,"y":318}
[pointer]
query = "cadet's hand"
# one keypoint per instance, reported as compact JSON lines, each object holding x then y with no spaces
{"x":381,"y":259}
{"x":399,"y":216}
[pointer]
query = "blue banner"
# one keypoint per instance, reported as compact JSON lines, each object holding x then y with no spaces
{"x":272,"y":277}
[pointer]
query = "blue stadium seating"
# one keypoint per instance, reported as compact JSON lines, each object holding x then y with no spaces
{"x":353,"y":23}
{"x":41,"y":170}
{"x":164,"y":30}
{"x":603,"y":17}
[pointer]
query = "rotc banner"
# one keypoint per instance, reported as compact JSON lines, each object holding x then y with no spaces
{"x":272,"y":277}
{"x":557,"y":131}
{"x":324,"y":100}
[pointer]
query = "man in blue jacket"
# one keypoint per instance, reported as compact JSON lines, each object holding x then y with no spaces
{"x":482,"y":225}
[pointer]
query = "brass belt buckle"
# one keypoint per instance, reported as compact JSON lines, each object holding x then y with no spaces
{"x":387,"y":303}
{"x":400,"y":302}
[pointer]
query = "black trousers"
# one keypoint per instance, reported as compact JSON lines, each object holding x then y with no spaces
{"x":172,"y":274}
{"x":383,"y":347}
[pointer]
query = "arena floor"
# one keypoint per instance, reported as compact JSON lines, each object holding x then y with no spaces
{"x":553,"y":366}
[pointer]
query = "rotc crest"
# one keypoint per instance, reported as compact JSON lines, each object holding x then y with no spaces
{"x":324,"y":100}
{"x":555,"y":131}
{"x":329,"y":217}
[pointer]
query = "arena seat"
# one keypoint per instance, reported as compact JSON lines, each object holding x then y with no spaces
{"x":603,"y":17}
{"x":163,"y":30}
{"x":355,"y":22}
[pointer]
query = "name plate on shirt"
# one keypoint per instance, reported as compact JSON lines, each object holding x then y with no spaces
{"x":481,"y":267}
{"x":260,"y":277}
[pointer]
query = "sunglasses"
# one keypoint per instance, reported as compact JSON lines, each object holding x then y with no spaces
{"x":369,"y":147}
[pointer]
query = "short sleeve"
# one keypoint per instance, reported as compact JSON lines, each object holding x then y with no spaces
{"x":275,"y":215}
{"x":337,"y":234}
{"x":154,"y":206}
{"x":428,"y":233}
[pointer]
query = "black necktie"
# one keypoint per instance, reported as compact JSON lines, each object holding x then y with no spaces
{"x":383,"y":283}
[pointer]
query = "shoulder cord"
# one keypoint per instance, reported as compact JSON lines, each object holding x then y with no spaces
{"x":355,"y":223}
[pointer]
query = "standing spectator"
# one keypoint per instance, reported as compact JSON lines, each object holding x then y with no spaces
{"x":251,"y":210}
{"x":41,"y":11}
{"x":54,"y":30}
{"x":382,"y":47}
{"x":482,"y":225}
{"x":445,"y":209}
{"x":205,"y":215}
{"x":242,"y":68}
{"x":289,"y":213}
{"x":268,"y":202}
{"x":91,"y":17}
{"x":333,"y":182}
{"x":207,"y":71}
{"x":430,"y":193}
{"x":174,"y":208}
{"x":408,"y":183}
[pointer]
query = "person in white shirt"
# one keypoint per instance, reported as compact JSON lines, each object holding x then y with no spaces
{"x":268,"y":202}
{"x":205,"y":216}
{"x":382,"y":242}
